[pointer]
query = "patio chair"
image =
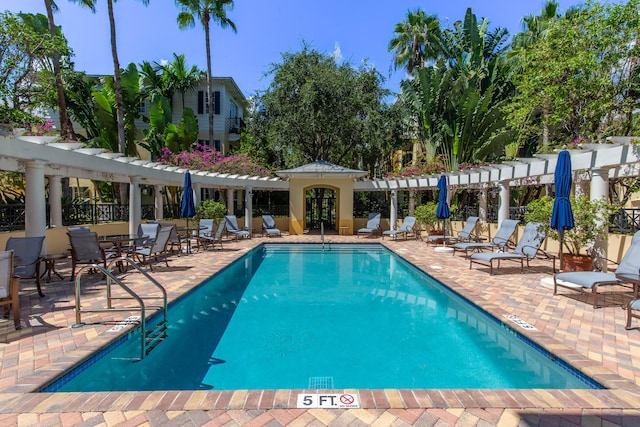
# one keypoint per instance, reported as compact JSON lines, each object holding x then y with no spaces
{"x":174,"y":238}
{"x":465,"y":235}
{"x":591,"y":281}
{"x":500,"y":241}
{"x":27,"y":257}
{"x":232,"y":227}
{"x":407,"y":227}
{"x":86,"y":249}
{"x":9,"y":287}
{"x":528,"y":247}
{"x":213,"y":239}
{"x":158,"y":248}
{"x":373,"y":225}
{"x":633,"y":311}
{"x":78,"y":229}
{"x":149,"y":229}
{"x":269,"y":226}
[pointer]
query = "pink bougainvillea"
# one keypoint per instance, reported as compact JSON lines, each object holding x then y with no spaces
{"x":206,"y":159}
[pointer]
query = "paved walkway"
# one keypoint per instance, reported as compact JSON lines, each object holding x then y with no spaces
{"x":594,"y":341}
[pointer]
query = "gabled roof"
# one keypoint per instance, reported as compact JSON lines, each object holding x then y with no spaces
{"x":321,"y":169}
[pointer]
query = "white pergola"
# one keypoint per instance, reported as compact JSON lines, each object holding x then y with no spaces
{"x":41,"y":156}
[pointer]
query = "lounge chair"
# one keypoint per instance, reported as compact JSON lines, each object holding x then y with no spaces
{"x":232,"y":227}
{"x":27,"y":257}
{"x":407,"y":227}
{"x":373,"y":225}
{"x":157,"y":249}
{"x":585,"y":281}
{"x":528,"y":247}
{"x":86,"y":249}
{"x":499,"y":241}
{"x":269,"y":226}
{"x":465,"y":235}
{"x":212,"y":239}
{"x":9,"y":286}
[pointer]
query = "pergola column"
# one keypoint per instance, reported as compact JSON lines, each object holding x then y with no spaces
{"x":230,"y":201}
{"x":55,"y":201}
{"x":600,"y":191}
{"x":248,"y":209}
{"x":483,"y":201}
{"x":197,"y":189}
{"x":394,"y":209}
{"x":503,"y":204}
{"x":158,"y":205}
{"x":412,"y":201}
{"x":35,"y":199}
{"x":135,"y":210}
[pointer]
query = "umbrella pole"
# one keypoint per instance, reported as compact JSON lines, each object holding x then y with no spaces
{"x":561,"y":234}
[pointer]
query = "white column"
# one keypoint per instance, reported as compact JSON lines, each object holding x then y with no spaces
{"x":35,"y":200}
{"x":482,"y":204}
{"x":230,"y":201}
{"x":248,"y":209}
{"x":197,"y":199}
{"x":600,"y":191}
{"x":158,"y":203}
{"x":503,"y":208}
{"x":394,"y":209}
{"x":55,"y":201}
{"x":135,"y":210}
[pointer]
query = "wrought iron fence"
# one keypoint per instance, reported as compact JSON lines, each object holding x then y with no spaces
{"x":12,"y":216}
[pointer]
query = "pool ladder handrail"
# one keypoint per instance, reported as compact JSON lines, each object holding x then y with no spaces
{"x":149,"y":339}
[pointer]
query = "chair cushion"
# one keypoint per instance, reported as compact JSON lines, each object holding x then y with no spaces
{"x":587,"y":279}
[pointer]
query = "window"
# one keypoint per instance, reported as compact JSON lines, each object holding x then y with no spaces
{"x":142,"y":107}
{"x":203,"y":102}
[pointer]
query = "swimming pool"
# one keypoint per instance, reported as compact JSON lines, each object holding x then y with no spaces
{"x":349,"y":316}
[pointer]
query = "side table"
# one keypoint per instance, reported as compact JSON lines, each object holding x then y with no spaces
{"x":50,"y":265}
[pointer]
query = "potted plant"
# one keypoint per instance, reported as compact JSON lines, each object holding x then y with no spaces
{"x":591,"y":224}
{"x":426,"y":216}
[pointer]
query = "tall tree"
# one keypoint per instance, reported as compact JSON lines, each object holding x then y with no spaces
{"x":205,"y":11}
{"x":179,"y":77}
{"x":417,"y":40}
{"x":66,"y":128}
{"x":91,"y":4}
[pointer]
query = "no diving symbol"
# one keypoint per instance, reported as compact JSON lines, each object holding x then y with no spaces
{"x":346,"y":399}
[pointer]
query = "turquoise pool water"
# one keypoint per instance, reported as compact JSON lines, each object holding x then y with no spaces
{"x":351,"y":316}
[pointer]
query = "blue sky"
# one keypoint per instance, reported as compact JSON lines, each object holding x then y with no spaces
{"x":355,"y":29}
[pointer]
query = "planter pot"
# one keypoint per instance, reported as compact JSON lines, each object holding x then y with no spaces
{"x":577,"y":262}
{"x":437,"y":233}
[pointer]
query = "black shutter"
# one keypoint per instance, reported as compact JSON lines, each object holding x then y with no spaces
{"x":200,"y":102}
{"x":216,"y":99}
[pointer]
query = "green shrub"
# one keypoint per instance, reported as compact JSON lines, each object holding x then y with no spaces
{"x":210,"y":209}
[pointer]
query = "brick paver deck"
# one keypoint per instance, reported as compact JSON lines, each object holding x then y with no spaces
{"x":594,"y":341}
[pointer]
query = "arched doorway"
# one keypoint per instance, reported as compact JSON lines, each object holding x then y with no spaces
{"x":321,"y":208}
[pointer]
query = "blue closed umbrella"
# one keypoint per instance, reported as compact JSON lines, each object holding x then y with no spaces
{"x":562,"y":215}
{"x":443,"y":212}
{"x":188,"y":205}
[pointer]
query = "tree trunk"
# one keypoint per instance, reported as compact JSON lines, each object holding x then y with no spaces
{"x":122,"y":143}
{"x":209,"y":83}
{"x":66,"y":128}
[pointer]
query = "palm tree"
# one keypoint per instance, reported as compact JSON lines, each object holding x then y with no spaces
{"x":91,"y":4}
{"x":205,"y":11}
{"x":179,"y":77}
{"x":66,"y":128}
{"x":417,"y":40}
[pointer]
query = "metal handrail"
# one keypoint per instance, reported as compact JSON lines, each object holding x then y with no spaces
{"x":139,"y":299}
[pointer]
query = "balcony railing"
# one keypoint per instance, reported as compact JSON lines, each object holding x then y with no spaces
{"x":234,"y":125}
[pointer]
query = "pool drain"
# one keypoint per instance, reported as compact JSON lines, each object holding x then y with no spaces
{"x":321,"y":382}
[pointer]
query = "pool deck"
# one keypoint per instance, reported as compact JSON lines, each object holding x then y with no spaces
{"x":592,"y":340}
